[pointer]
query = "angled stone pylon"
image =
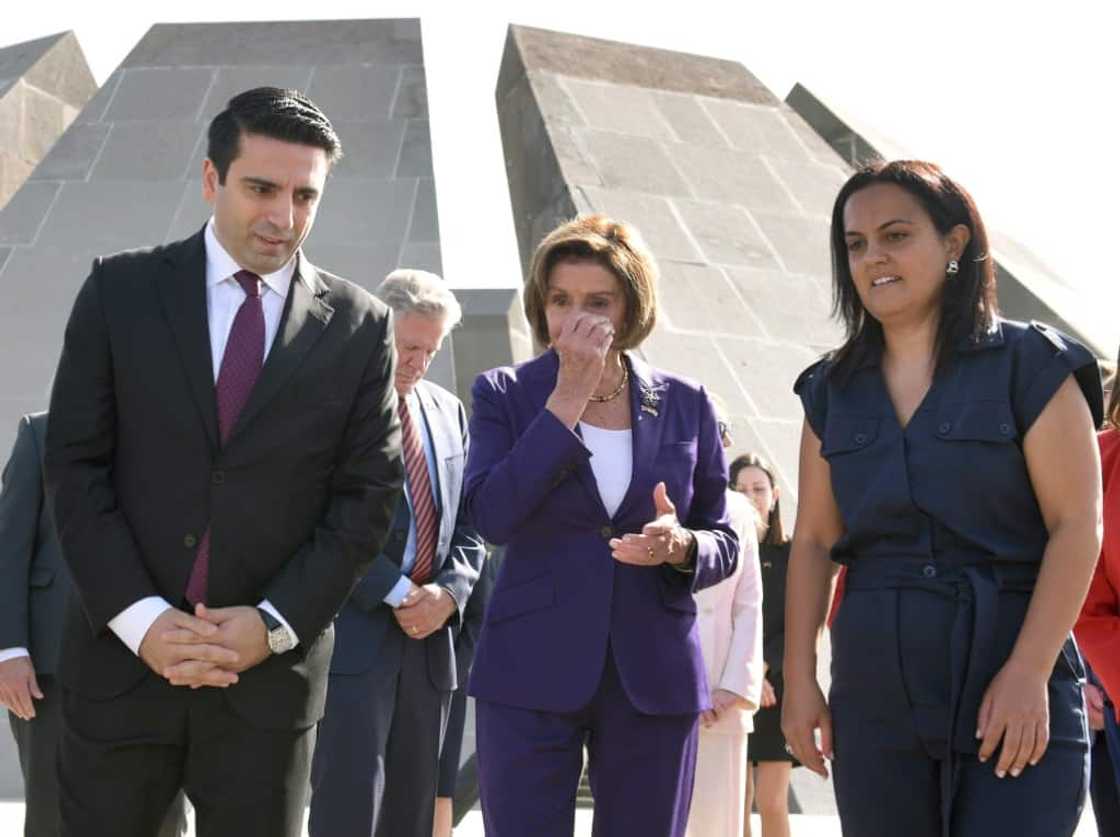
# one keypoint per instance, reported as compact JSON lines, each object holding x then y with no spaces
{"x":43,"y":85}
{"x":127,"y":172}
{"x":728,"y":186}
{"x":1028,"y":288}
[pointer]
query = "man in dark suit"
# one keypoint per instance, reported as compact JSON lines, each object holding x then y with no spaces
{"x":222,"y":460}
{"x":393,"y":672}
{"x":34,"y":585}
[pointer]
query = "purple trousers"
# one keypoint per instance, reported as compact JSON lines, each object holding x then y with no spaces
{"x":641,"y":766}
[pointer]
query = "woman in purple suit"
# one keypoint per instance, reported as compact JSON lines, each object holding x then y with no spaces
{"x":604,"y":479}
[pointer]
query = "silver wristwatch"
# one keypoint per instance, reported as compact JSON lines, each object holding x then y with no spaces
{"x":280,"y":639}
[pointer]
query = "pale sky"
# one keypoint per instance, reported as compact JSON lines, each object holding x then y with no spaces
{"x":1017,"y":101}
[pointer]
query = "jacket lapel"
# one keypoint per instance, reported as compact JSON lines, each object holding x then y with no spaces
{"x":647,"y":408}
{"x":182,"y":292}
{"x":306,"y":315}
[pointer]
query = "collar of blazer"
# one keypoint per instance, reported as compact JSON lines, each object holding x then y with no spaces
{"x":182,"y":290}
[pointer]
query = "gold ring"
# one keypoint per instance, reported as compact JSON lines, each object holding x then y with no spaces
{"x":649,"y":549}
{"x":414,"y":629}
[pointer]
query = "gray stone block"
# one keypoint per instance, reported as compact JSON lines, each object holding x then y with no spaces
{"x":688,"y":119}
{"x":422,"y":255}
{"x":147,"y":150}
{"x":755,"y":128}
{"x":553,"y":100}
{"x":575,"y":164}
{"x":734,"y":177}
{"x":21,"y":219}
{"x":362,"y":264}
{"x":629,"y":64}
{"x":816,"y":185}
{"x":17,"y":60}
{"x":416,"y":150}
{"x":700,"y":298}
{"x":425,"y":221}
{"x":45,"y":117}
{"x":190,"y":213}
{"x":653,"y":216}
{"x":4,"y":253}
{"x":141,"y":214}
{"x":358,"y":211}
{"x":62,"y":72}
{"x":355,"y":92}
{"x":634,"y":164}
{"x":412,"y":94}
{"x":613,"y":107}
{"x":308,"y":42}
{"x":370,"y":149}
{"x":95,"y":109}
{"x":791,"y":308}
{"x":725,"y":234}
{"x":160,"y":93}
{"x":72,"y":156}
{"x":699,"y":358}
{"x":802,"y":243}
{"x":767,"y":370}
{"x":233,"y":80}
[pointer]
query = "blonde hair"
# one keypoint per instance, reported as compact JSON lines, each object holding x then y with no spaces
{"x":614,"y":245}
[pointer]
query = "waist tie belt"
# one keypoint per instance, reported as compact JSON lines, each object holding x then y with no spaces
{"x":971,"y":583}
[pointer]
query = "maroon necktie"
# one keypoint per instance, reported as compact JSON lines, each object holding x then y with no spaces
{"x":241,"y":366}
{"x":420,"y":490}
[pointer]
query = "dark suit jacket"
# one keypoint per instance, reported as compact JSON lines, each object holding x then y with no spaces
{"x":367,"y":634}
{"x":560,"y":599}
{"x":34,"y":581}
{"x":297,"y":500}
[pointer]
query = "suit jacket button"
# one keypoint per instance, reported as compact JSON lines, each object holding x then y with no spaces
{"x":190,"y":541}
{"x":218,"y":477}
{"x":607,"y":532}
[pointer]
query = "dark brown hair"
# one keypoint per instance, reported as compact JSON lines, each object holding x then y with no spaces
{"x":270,"y":112}
{"x":968,"y":302}
{"x":775,"y":535}
{"x":614,"y":245}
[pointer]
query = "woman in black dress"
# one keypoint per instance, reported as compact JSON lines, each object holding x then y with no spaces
{"x":768,"y":781}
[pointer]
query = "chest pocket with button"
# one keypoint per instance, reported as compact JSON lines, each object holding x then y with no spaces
{"x":977,"y":421}
{"x":847,"y":434}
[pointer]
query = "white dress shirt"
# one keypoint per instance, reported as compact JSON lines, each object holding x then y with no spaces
{"x":223,"y":298}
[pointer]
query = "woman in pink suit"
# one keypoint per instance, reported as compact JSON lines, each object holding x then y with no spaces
{"x":604,"y":479}
{"x":730,"y":620}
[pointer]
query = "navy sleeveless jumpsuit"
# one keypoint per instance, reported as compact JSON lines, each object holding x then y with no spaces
{"x":943,"y":538}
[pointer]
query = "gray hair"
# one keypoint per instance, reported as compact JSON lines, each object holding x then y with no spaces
{"x":409,"y":291}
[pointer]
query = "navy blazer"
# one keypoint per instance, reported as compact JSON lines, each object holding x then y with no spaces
{"x":367,"y":635}
{"x":34,"y":580}
{"x":560,"y":597}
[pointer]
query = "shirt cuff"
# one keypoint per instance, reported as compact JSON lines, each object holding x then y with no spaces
{"x":397,"y":595}
{"x":267,"y":605}
{"x":11,"y":653}
{"x":131,"y":624}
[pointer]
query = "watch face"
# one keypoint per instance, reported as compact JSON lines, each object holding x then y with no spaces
{"x":279,"y":641}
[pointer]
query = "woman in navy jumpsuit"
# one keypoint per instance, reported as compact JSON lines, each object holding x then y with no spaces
{"x":948,"y":461}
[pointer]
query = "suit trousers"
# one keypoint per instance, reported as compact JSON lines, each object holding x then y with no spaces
{"x":37,"y":744}
{"x":641,"y":766}
{"x":123,"y":760}
{"x":376,"y":765}
{"x":719,"y":792}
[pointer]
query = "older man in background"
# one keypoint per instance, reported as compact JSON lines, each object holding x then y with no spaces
{"x":393,"y":671}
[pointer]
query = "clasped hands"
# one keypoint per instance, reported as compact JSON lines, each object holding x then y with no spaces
{"x":424,"y":610}
{"x":209,"y":648}
{"x":662,"y":541}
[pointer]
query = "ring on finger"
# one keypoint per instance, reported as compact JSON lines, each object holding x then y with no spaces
{"x":649,"y":549}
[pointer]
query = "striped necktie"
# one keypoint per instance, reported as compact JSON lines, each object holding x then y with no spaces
{"x":423,"y":501}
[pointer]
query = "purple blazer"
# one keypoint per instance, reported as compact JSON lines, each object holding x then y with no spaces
{"x":560,"y":597}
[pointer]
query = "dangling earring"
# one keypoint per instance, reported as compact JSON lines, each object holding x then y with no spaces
{"x":953,"y":268}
